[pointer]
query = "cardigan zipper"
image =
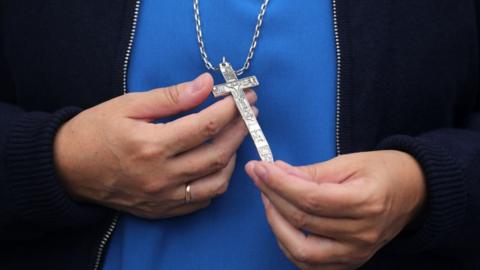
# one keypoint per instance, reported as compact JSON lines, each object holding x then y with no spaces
{"x":108,"y":234}
{"x":338,"y":110}
{"x":111,"y":228}
{"x":103,"y":243}
{"x":126,"y":60}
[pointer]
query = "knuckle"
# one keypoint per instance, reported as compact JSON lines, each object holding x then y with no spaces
{"x":211,"y":128}
{"x":376,"y":208}
{"x":359,"y":256}
{"x":152,"y":188}
{"x":146,"y":151}
{"x":150,"y":150}
{"x":302,"y":255}
{"x":172,"y":94}
{"x":220,"y":161}
{"x":144,"y":147}
{"x":299,"y":219}
{"x":222,"y":188}
{"x":219,"y":189}
{"x":369,"y":238}
{"x":372,"y":204}
{"x":310,"y":203}
{"x":368,"y":203}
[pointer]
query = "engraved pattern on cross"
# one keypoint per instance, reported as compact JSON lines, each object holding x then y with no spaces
{"x":236,"y":88}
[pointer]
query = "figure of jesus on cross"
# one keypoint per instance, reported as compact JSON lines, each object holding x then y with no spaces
{"x":236,"y":88}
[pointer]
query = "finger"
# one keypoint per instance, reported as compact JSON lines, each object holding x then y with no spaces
{"x":186,"y":209}
{"x":320,"y":199}
{"x":307,"y":249}
{"x":190,"y":131}
{"x":293,"y":170}
{"x":304,"y":266}
{"x":336,"y":228}
{"x":211,"y":157}
{"x":168,"y":101}
{"x":155,"y":211}
{"x":208,"y":187}
{"x":330,"y":171}
{"x":300,"y":265}
{"x":336,"y":170}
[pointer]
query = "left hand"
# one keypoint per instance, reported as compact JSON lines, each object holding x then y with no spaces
{"x":338,"y":214}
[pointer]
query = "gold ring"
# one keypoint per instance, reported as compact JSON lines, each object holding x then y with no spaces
{"x":188,"y":193}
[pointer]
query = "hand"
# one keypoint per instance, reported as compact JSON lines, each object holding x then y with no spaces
{"x":113,"y":155}
{"x":338,"y":214}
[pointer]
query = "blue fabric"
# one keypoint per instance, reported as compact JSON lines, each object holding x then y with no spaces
{"x":295,"y":64}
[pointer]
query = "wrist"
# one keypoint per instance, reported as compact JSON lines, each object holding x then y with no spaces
{"x":63,"y":157}
{"x":446,"y":193}
{"x":35,"y":193}
{"x":418,"y":180}
{"x":413,"y":178}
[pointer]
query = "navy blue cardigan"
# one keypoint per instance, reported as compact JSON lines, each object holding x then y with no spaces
{"x":408,"y":80}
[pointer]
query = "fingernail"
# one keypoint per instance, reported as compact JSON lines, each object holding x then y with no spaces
{"x":255,"y":111}
{"x":249,"y":168}
{"x":249,"y":164}
{"x":198,"y":84}
{"x":261,"y":171}
{"x":253,"y":98}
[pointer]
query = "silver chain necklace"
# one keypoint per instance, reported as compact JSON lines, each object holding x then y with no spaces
{"x":251,"y":52}
{"x":236,"y":87}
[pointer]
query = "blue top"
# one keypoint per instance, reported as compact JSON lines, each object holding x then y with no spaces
{"x":295,"y":64}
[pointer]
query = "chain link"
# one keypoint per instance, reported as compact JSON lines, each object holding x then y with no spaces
{"x":251,"y":52}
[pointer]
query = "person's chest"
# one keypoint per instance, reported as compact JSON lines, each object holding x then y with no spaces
{"x":294,"y":59}
{"x":295,"y":64}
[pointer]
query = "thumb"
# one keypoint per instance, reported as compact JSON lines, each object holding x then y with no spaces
{"x":163,"y":102}
{"x":292,"y":170}
{"x":335,"y":170}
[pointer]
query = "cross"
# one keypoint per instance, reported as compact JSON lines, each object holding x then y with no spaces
{"x":236,"y":88}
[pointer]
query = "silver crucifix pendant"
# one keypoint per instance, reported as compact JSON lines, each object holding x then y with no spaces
{"x":236,"y":88}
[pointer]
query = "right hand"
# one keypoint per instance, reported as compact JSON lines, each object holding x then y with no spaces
{"x":113,"y":155}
